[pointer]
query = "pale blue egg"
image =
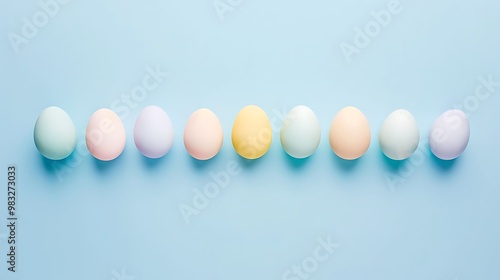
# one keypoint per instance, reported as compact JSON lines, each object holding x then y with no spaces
{"x":54,"y":134}
{"x":399,"y":136}
{"x":300,"y":132}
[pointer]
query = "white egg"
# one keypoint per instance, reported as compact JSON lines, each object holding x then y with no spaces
{"x":300,"y":132}
{"x":399,"y":135}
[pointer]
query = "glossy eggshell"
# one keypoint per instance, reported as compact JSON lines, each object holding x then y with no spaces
{"x":300,"y":132}
{"x":54,"y":134}
{"x":350,"y":133}
{"x":105,"y":135}
{"x":153,"y":132}
{"x":399,"y":135}
{"x":449,"y":135}
{"x":203,"y":135}
{"x":251,"y":134}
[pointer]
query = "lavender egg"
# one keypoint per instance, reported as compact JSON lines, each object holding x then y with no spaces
{"x":153,"y":132}
{"x":450,"y":135}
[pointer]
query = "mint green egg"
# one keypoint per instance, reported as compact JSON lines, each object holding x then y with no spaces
{"x":54,"y":134}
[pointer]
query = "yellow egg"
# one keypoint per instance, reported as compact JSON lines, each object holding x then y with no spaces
{"x":350,"y":133}
{"x":252,"y":134}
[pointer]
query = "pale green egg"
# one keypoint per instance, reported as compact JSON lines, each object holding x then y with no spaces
{"x":54,"y":134}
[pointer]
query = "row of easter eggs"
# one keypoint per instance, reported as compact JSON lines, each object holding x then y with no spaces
{"x":350,"y":135}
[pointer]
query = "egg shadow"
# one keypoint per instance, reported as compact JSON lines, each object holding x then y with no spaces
{"x":104,"y":167}
{"x":344,"y":164}
{"x":153,"y":163}
{"x":391,"y":164}
{"x":444,"y":165}
{"x":52,"y":167}
{"x":249,"y":164}
{"x":205,"y":164}
{"x":295,"y":163}
{"x":48,"y":164}
{"x":56,"y":169}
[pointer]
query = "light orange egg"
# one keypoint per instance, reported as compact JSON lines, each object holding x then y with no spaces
{"x":350,"y":133}
{"x":203,"y":135}
{"x":105,"y":135}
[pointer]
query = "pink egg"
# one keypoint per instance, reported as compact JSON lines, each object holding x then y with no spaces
{"x":153,"y":132}
{"x":203,"y":135}
{"x":105,"y":135}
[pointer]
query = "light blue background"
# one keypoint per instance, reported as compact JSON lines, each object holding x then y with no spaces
{"x":102,"y":219}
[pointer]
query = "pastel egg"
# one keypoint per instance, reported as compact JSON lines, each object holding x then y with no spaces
{"x":449,"y":135}
{"x":105,"y":135}
{"x":203,"y":135}
{"x":399,"y":135}
{"x":251,"y":135}
{"x":54,"y":134}
{"x":300,"y":132}
{"x":153,"y":132}
{"x":350,"y":133}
